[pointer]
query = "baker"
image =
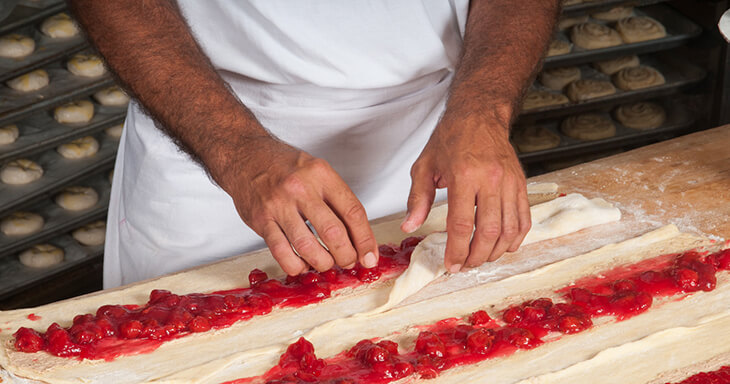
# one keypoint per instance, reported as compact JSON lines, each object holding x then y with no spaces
{"x":254,"y":120}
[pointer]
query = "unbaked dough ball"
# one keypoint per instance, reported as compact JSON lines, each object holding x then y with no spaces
{"x":637,"y":29}
{"x":41,"y":256}
{"x":77,"y":198}
{"x":112,"y":96}
{"x":31,"y":81}
{"x":538,"y":99}
{"x":76,"y":112}
{"x":558,"y":78}
{"x":115,"y":131}
{"x":59,"y":26}
{"x":91,"y":234}
{"x":588,"y":126}
{"x":586,"y":89}
{"x":613,"y":14}
{"x":78,"y":149}
{"x":21,"y":224}
{"x":567,"y":22}
{"x":8,"y":134}
{"x":86,"y":65}
{"x":20,"y":171}
{"x":534,"y":138}
{"x":640,"y":77}
{"x":594,"y":36}
{"x":16,"y":46}
{"x":612,"y":66}
{"x":643,"y":115}
{"x":558,"y":47}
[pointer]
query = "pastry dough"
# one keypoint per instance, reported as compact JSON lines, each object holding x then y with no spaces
{"x":41,"y":256}
{"x":31,"y":81}
{"x":112,"y":96}
{"x":538,"y":99}
{"x":115,"y":131}
{"x":558,"y":47}
{"x":59,"y":26}
{"x":640,"y":77}
{"x":8,"y":134}
{"x":567,"y":22}
{"x":594,"y":36}
{"x":16,"y":46}
{"x":86,"y":65}
{"x":76,"y":112}
{"x":83,"y":147}
{"x":91,"y":234}
{"x":534,"y":138}
{"x":588,"y":126}
{"x":77,"y":198}
{"x":21,"y":224}
{"x":612,"y":66}
{"x":637,"y":29}
{"x":586,"y":89}
{"x":558,"y":78}
{"x":21,"y":171}
{"x":642,"y":115}
{"x":613,"y":14}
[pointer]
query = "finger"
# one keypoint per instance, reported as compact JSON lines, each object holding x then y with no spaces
{"x":304,"y":242}
{"x":488,"y":228}
{"x":459,"y":226}
{"x":510,"y":221}
{"x":282,"y":251}
{"x":524,"y":217}
{"x":420,"y":198}
{"x":332,"y":232}
{"x":345,"y":204}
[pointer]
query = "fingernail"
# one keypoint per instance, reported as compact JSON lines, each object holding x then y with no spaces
{"x":455,"y":268}
{"x":369,"y":261}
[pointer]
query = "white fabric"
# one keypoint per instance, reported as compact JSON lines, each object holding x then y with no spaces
{"x":359,"y":83}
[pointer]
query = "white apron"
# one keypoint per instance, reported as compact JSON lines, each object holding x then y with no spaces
{"x":359,"y":83}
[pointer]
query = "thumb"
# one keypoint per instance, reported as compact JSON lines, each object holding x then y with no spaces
{"x":420,"y":199}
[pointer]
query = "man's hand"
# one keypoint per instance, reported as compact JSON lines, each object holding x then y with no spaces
{"x":472,"y":157}
{"x":280,"y":187}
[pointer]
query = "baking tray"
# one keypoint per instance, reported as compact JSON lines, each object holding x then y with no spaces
{"x":595,"y":6}
{"x":40,"y":131}
{"x":59,"y":172}
{"x":47,"y":50}
{"x":23,"y":15}
{"x":677,"y":73}
{"x":63,"y":87}
{"x":679,"y":30}
{"x":678,"y":118}
{"x":59,"y":221}
{"x":15,"y":276}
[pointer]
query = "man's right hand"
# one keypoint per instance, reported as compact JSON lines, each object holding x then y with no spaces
{"x":277,"y":187}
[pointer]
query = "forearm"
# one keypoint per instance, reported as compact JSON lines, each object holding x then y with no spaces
{"x":150,"y":48}
{"x":503,"y":44}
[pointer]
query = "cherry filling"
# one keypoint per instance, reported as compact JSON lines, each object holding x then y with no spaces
{"x":116,"y":330}
{"x":622,"y":292}
{"x":720,"y":376}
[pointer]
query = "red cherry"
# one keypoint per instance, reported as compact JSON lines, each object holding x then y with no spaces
{"x":330,"y":275}
{"x":376,"y":354}
{"x":309,"y":278}
{"x":80,"y":319}
{"x":390,"y":346}
{"x":256,"y":276}
{"x":113,"y":311}
{"x":570,"y":324}
{"x":513,"y":315}
{"x":624,"y":285}
{"x":479,"y":318}
{"x":28,"y":340}
{"x":300,"y":348}
{"x":403,"y":369}
{"x":425,"y":368}
{"x":158,"y":294}
{"x":533,"y":314}
{"x":199,"y":324}
{"x":686,"y":279}
{"x":461,"y":331}
{"x":131,"y":329}
{"x":580,"y":295}
{"x":410,"y":242}
{"x":520,"y":337}
{"x":428,"y":343}
{"x":480,"y":341}
{"x":723,"y":259}
{"x":367,"y":275}
{"x":543,"y":302}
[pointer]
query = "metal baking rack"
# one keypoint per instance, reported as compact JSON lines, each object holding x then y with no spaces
{"x":41,"y":131}
{"x":15,"y":276}
{"x":677,"y":73}
{"x":62,"y":88}
{"x":59,"y":221}
{"x":24,"y":13}
{"x":58,"y":173}
{"x":679,"y":30}
{"x":595,"y":6}
{"x":678,"y":118}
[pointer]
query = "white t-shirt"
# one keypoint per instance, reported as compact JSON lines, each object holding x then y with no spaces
{"x":360,"y":83}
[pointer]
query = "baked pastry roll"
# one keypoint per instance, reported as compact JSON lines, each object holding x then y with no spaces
{"x":8,"y":134}
{"x":594,"y":36}
{"x":59,"y":26}
{"x":31,"y":81}
{"x":77,"y":198}
{"x":586,"y":89}
{"x":16,"y":46}
{"x":588,"y":126}
{"x":75,"y":112}
{"x":86,"y":65}
{"x":643,"y":115}
{"x":558,"y":78}
{"x":612,"y":66}
{"x":21,"y":171}
{"x":538,"y":99}
{"x":91,"y":234}
{"x":534,"y":138}
{"x":640,"y":28}
{"x":558,"y":47}
{"x":640,"y":77}
{"x":41,"y":256}
{"x":21,"y":224}
{"x":80,"y":148}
